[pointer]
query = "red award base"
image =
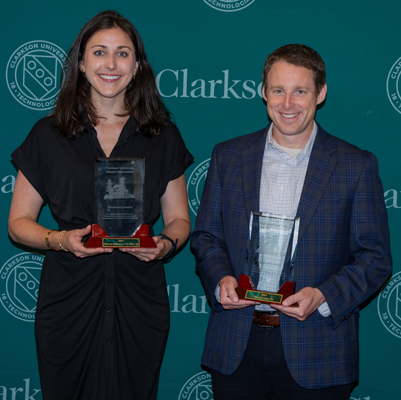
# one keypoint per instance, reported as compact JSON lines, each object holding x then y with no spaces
{"x":246,"y":290}
{"x":140,"y":238}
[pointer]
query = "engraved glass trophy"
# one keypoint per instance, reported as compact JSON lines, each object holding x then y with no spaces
{"x":119,"y":204}
{"x":270,"y":267}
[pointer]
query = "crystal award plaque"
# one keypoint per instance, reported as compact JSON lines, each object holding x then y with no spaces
{"x":119,"y":204}
{"x":271,"y":249}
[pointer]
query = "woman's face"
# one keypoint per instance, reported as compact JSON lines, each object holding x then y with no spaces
{"x":109,"y":64}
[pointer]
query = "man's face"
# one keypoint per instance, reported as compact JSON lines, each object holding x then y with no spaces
{"x":291,"y":99}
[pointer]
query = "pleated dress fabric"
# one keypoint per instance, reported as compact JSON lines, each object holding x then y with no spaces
{"x":102,"y":322}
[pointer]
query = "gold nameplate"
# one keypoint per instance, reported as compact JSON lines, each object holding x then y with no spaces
{"x":263,"y":296}
{"x":121,"y":242}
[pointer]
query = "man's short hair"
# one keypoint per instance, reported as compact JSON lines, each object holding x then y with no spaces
{"x":300,"y":56}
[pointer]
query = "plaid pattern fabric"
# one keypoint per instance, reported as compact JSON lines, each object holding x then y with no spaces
{"x":343,"y":250}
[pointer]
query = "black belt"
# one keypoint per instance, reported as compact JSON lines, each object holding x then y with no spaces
{"x":266,"y":319}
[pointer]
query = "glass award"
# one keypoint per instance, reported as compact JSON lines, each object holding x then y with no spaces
{"x":270,"y":263}
{"x":119,"y":204}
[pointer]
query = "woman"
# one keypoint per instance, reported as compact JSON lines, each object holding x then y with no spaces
{"x":103,"y":317}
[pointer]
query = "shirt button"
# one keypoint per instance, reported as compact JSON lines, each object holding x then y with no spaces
{"x":108,"y":370}
{"x":110,"y":281}
{"x":108,"y":341}
{"x":110,"y":310}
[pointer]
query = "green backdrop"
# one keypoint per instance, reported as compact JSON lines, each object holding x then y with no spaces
{"x":208,"y":57}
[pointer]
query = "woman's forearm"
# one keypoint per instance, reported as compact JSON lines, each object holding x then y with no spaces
{"x":178,"y":228}
{"x":25,"y":231}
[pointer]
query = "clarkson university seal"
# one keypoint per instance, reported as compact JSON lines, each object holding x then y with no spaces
{"x":393,"y":85}
{"x":229,"y":5}
{"x":198,"y":387}
{"x":33,"y":72}
{"x":195,"y":185}
{"x":19,"y":285}
{"x":389,"y":305}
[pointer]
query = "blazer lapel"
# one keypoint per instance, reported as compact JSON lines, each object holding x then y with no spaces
{"x":252,"y":160}
{"x":320,"y":167}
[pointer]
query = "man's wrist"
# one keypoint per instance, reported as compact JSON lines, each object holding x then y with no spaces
{"x":319,"y":297}
{"x":323,"y":308}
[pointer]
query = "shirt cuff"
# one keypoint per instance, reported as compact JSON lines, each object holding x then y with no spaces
{"x":324,"y":310}
{"x":217,"y":293}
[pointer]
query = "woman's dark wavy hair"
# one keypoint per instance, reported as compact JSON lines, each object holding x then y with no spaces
{"x":142,"y":99}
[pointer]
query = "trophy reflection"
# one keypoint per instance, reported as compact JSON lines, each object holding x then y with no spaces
{"x":270,"y":267}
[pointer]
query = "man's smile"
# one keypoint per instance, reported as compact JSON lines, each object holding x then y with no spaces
{"x":288,"y":116}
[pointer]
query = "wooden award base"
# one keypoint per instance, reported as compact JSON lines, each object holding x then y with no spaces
{"x":140,"y":238}
{"x":246,"y":290}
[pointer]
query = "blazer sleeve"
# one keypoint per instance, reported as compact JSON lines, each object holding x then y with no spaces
{"x":208,"y":242}
{"x":369,"y":245}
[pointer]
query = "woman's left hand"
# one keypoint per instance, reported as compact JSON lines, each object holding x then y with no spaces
{"x":149,"y":253}
{"x":176,"y":221}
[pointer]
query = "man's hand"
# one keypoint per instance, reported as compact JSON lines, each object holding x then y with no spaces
{"x":229,"y":297}
{"x":309,"y":299}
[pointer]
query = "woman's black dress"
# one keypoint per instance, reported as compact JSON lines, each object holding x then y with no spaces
{"x":101,"y":322}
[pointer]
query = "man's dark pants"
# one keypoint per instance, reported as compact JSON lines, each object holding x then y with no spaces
{"x":263,"y":374}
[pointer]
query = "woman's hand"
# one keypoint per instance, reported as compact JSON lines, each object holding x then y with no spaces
{"x":23,"y":228}
{"x":177,"y":224}
{"x":149,"y":253}
{"x":72,"y":242}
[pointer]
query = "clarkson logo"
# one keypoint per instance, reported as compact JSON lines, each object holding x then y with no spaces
{"x":389,"y":305}
{"x":393,"y":85}
{"x":197,"y":387}
{"x":33,"y":72}
{"x":229,"y":5}
{"x":195,"y":185}
{"x":19,"y":285}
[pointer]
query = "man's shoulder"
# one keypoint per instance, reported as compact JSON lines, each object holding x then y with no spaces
{"x":338,"y":145}
{"x":239,"y":143}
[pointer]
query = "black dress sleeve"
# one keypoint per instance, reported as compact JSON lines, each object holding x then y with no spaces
{"x":28,"y":156}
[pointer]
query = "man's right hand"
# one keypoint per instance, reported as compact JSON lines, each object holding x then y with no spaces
{"x":229,"y":297}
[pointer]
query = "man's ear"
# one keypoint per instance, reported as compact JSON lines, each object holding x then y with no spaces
{"x":263,"y":93}
{"x":322,"y":94}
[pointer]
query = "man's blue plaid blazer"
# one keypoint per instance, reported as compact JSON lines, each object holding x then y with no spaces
{"x":343,"y":249}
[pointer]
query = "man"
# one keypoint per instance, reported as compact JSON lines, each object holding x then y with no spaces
{"x":292,"y":167}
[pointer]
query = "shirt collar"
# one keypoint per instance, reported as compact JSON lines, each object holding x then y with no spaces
{"x":305,"y":152}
